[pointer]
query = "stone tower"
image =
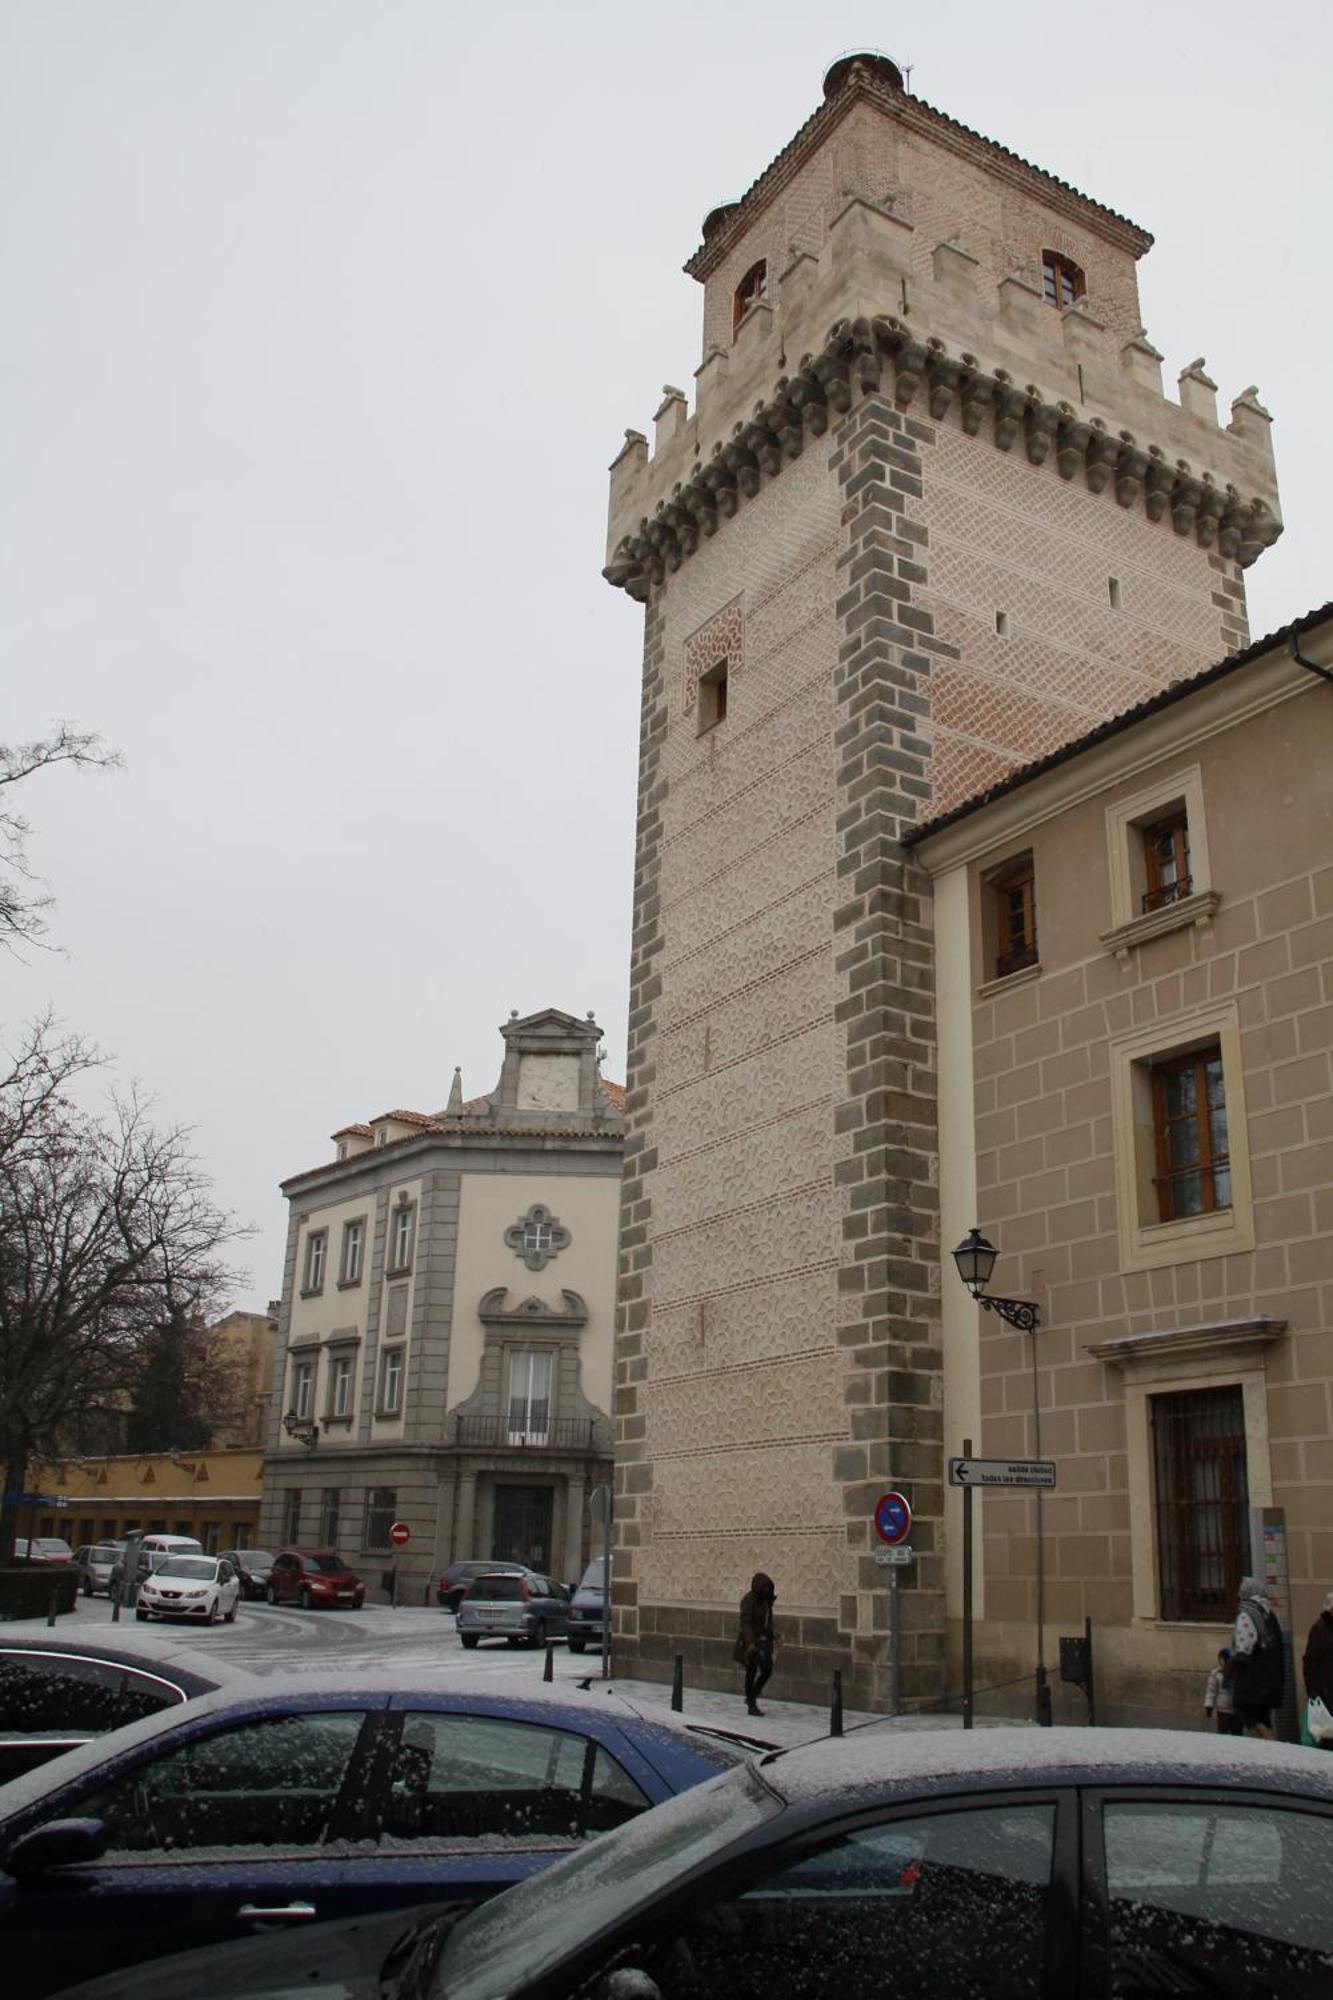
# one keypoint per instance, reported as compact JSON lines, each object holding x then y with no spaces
{"x":931,"y":516}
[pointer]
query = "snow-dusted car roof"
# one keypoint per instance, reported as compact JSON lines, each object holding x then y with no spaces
{"x":871,"y":1758}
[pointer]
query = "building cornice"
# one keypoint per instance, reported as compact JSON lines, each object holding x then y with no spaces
{"x":851,"y":363}
{"x":1189,"y":1343}
{"x":861,"y":85}
{"x":467,"y":1139}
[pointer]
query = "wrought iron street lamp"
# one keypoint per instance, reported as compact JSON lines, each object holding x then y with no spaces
{"x":976,"y":1258}
{"x":303,"y":1428}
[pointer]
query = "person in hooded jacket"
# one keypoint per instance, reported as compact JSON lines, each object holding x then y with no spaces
{"x":755,"y":1640}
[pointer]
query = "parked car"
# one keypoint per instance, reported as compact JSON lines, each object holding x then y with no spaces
{"x":1060,"y":1864}
{"x":55,"y":1697}
{"x":587,"y":1611}
{"x":148,"y":1554}
{"x":301,"y":1802}
{"x":452,"y":1586}
{"x":252,"y":1566}
{"x":95,"y":1563}
{"x":43,"y":1549}
{"x":522,"y":1608}
{"x":311,"y":1577}
{"x":205,"y":1587}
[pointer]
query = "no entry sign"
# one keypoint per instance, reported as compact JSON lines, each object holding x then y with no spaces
{"x":893,"y":1518}
{"x":400,"y":1534}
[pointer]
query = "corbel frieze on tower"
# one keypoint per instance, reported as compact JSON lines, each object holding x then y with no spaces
{"x":860,"y":356}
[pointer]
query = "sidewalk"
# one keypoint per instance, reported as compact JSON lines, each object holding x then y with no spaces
{"x":783,"y":1723}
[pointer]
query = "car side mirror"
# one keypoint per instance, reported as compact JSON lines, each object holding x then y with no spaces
{"x":59,"y":1844}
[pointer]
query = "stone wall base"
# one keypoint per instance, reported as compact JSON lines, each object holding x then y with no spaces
{"x":1145,"y":1677}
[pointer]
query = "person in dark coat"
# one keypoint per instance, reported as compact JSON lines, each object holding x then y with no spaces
{"x":1317,"y":1663}
{"x":755,"y":1640}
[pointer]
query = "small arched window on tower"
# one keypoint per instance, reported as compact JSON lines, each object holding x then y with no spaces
{"x":752,"y":287}
{"x":1061,"y":279}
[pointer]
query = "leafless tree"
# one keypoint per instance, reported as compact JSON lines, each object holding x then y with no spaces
{"x":24,"y":899}
{"x":107,"y":1231}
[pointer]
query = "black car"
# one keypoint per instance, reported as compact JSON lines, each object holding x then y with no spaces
{"x":453,"y":1586}
{"x":252,"y":1566}
{"x":1004,"y":1864}
{"x":55,"y":1697}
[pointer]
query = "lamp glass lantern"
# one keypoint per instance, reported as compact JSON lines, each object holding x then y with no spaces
{"x":975,"y":1258}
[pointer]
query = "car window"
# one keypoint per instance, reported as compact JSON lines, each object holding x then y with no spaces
{"x":327,"y":1565}
{"x":948,"y":1903}
{"x":275,"y":1782}
{"x":197,"y":1569}
{"x":592,"y":1575}
{"x":41,"y":1691}
{"x":537,"y":1922}
{"x":1202,"y":1895}
{"x":472,"y":1777}
{"x":496,"y":1589}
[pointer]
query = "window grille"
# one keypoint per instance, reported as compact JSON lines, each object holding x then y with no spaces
{"x":1202,"y":1502}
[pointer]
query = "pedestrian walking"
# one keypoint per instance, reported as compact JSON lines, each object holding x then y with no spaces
{"x":1317,"y":1666}
{"x":755,"y":1640}
{"x":1220,"y":1696}
{"x":1258,"y":1676}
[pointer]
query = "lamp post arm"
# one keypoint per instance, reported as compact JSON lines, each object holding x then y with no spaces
{"x":1021,"y":1313}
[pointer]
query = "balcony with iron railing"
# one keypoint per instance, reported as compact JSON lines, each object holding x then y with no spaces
{"x":496,"y":1433}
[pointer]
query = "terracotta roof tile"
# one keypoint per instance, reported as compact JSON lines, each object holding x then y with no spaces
{"x":711,"y":250}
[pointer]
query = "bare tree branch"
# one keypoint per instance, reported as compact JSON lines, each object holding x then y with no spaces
{"x":24,"y":900}
{"x":108,"y":1231}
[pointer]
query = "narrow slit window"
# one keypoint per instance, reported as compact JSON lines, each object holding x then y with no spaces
{"x":1015,"y":909}
{"x":713,"y":697}
{"x":1166,"y":861}
{"x":752,"y":288}
{"x":1002,"y":624}
{"x":1062,"y":280}
{"x":1113,"y":587}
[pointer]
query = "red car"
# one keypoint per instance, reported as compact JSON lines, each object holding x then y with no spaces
{"x":311,"y":1577}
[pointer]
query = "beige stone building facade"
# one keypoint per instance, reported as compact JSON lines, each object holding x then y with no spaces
{"x":1141,"y":1118}
{"x":929,"y":516}
{"x":446,"y":1323}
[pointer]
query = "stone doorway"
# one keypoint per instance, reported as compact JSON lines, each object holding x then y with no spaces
{"x":523,"y":1522}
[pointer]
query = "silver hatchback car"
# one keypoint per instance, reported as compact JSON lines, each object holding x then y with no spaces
{"x":524,"y":1608}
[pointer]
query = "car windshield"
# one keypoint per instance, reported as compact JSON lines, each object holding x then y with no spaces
{"x":327,"y":1565}
{"x":512,"y":1939}
{"x":494,"y":1587}
{"x":201,"y":1569}
{"x":49,"y":1546}
{"x":253,"y":1558}
{"x":594,"y":1576}
{"x":103,"y":1553}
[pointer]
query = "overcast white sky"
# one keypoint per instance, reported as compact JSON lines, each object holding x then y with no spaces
{"x":323,"y":321}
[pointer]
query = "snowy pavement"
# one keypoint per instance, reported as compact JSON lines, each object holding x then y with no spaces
{"x":420,"y":1642}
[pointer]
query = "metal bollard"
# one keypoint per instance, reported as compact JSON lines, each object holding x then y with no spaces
{"x":51,"y":1607}
{"x":835,"y":1706}
{"x":678,"y":1684}
{"x":115,"y":1604}
{"x":548,"y":1671}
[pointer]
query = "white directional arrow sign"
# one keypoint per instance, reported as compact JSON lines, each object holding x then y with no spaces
{"x":1002,"y":1472}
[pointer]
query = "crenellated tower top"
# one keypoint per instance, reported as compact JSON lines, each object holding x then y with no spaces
{"x":888,"y":242}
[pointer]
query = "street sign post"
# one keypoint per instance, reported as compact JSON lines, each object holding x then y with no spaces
{"x":1039,"y":1472}
{"x":893,"y":1524}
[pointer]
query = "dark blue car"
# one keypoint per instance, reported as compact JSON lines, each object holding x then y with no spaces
{"x":277,"y":1809}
